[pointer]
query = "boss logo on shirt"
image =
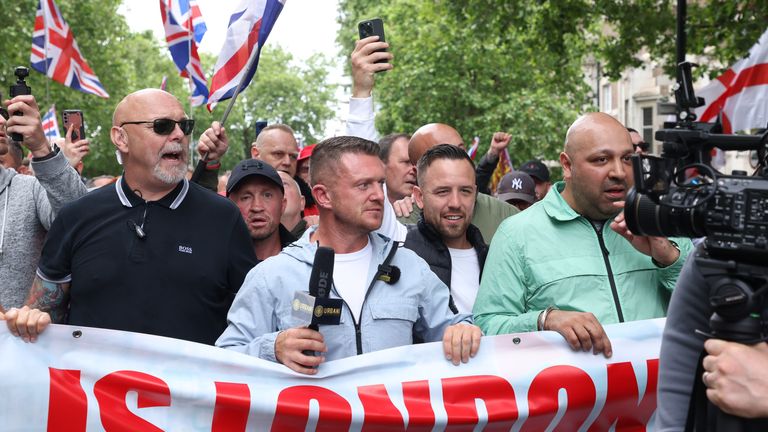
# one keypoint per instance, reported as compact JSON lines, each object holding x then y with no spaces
{"x":185,"y":249}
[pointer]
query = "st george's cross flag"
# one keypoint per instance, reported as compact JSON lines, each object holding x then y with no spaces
{"x":184,"y":28}
{"x":741,"y":93}
{"x":248,"y":29}
{"x":55,"y":52}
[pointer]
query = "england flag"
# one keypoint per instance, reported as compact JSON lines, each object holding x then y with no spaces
{"x":184,"y":26}
{"x":248,"y":29}
{"x":740,"y":94}
{"x":55,"y":52}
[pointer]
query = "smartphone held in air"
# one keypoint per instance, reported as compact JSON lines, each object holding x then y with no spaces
{"x":372,"y":27}
{"x":74,"y":117}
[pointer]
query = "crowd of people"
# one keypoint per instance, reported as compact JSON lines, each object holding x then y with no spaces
{"x":156,"y":253}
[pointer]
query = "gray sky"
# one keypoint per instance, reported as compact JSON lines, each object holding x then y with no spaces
{"x":303,"y":28}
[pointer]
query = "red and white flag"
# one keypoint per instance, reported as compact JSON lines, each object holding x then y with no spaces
{"x":741,"y":93}
{"x":248,"y":29}
{"x":55,"y":52}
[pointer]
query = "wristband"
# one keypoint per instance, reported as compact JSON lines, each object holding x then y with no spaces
{"x":543,"y":317}
{"x":658,"y":264}
{"x":212,"y":165}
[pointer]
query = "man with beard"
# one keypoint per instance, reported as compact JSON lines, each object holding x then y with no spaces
{"x":444,"y":236}
{"x":152,"y":253}
{"x":258,"y":191}
{"x":378,"y":312}
{"x":569,"y":264}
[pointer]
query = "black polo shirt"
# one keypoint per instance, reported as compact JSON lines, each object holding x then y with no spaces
{"x":179,"y":280}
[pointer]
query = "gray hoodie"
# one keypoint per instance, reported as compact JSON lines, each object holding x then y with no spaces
{"x":27,"y":207}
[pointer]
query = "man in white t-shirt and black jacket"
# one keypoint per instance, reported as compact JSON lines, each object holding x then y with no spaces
{"x":444,"y":236}
{"x":381,"y":308}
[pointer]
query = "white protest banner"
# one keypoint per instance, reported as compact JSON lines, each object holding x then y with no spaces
{"x":83,"y":379}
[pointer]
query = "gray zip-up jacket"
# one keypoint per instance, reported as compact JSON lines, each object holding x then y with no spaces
{"x":392,"y":313}
{"x":27,"y":207}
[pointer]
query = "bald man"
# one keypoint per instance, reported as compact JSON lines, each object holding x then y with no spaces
{"x":569,"y":264}
{"x":489,"y":212}
{"x":152,"y":253}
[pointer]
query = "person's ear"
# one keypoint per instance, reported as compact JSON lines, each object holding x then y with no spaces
{"x":418,"y":196}
{"x":322,"y":196}
{"x":254,"y":152}
{"x":567,"y":164}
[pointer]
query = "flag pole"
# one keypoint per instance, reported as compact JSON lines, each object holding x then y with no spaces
{"x":204,"y":160}
{"x":191,"y":35}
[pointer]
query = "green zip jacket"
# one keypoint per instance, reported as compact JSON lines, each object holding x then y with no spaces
{"x":549,"y":255}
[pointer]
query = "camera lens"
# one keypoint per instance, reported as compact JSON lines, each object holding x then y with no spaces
{"x":645,"y":217}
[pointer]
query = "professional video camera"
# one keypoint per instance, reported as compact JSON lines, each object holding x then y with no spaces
{"x":681,"y":194}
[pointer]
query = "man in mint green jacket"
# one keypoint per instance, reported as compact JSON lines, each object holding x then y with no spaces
{"x":568,"y":263}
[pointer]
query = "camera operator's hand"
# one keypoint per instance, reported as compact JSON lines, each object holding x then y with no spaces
{"x":581,"y":330}
{"x":736,"y":377}
{"x":213,"y":142}
{"x":28,"y":125}
{"x":658,"y":248}
{"x":364,"y":65}
{"x":290,"y":346}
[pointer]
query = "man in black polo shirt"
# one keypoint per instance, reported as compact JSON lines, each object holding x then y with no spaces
{"x":153,"y":253}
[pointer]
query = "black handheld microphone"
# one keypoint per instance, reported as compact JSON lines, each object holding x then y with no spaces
{"x":321,"y":278}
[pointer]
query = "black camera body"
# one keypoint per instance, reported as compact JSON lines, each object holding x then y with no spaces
{"x":681,"y":195}
{"x":18,"y":89}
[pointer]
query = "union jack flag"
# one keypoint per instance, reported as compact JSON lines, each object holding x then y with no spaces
{"x":182,"y":19}
{"x":248,"y":29}
{"x":50,"y":125}
{"x":472,"y":152}
{"x":55,"y":52}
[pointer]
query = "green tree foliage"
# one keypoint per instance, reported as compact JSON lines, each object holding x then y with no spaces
{"x":486,"y":65}
{"x":126,"y":61}
{"x":480,"y":72}
{"x":281,"y":92}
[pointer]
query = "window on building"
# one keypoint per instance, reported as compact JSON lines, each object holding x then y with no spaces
{"x":607,"y":98}
{"x":648,"y":124}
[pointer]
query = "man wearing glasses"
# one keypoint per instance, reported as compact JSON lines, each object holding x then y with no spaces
{"x":151,"y":254}
{"x":640,"y":146}
{"x":28,"y":204}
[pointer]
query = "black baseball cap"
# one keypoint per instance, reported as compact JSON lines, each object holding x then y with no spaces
{"x":536,"y":169}
{"x":253,"y":167}
{"x":517,"y":185}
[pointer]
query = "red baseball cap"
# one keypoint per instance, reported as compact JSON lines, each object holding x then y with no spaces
{"x":306,"y":152}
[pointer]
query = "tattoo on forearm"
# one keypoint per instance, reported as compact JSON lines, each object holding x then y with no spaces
{"x":49,"y":297}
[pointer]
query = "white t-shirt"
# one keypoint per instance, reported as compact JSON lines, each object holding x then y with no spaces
{"x":465,"y":278}
{"x":350,"y":277}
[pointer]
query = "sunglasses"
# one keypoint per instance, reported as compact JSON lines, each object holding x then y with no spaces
{"x":165,"y":126}
{"x":644,"y":146}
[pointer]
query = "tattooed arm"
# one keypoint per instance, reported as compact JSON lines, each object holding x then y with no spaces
{"x":50,"y":297}
{"x":47,"y":300}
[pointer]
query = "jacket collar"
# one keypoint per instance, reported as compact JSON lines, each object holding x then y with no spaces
{"x":304,"y":251}
{"x":556,"y":206}
{"x":172,"y":200}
